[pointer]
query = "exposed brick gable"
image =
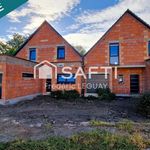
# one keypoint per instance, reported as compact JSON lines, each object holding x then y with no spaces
{"x":46,"y":39}
{"x":132,"y":36}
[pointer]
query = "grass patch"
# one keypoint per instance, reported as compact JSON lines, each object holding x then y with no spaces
{"x":125,"y":125}
{"x":100,"y":123}
{"x":96,"y":140}
{"x":138,"y":140}
{"x":48,"y":126}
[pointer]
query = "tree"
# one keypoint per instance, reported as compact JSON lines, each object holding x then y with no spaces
{"x":80,"y":49}
{"x":16,"y":41}
{"x":11,"y":46}
{"x":4,"y":48}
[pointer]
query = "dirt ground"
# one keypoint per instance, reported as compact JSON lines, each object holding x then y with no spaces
{"x":43,"y":117}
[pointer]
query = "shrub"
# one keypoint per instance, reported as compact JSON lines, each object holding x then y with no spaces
{"x":105,"y":94}
{"x":71,"y":95}
{"x":144,"y":105}
{"x":91,"y":97}
{"x":138,"y":140}
{"x":3,"y":146}
{"x":57,"y":94}
{"x":66,"y":95}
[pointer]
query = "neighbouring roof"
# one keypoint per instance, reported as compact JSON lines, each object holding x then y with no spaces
{"x":126,"y":12}
{"x":15,"y":60}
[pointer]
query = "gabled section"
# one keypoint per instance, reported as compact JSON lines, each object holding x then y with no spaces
{"x":32,"y":35}
{"x":127,"y":12}
{"x":138,"y":18}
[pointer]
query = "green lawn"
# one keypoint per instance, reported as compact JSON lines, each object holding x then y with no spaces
{"x":96,"y":140}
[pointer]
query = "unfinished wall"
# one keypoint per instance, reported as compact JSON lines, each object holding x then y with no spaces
{"x":132,"y":36}
{"x":14,"y":85}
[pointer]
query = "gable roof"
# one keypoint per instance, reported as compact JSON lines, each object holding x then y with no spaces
{"x":126,"y":12}
{"x":32,"y":35}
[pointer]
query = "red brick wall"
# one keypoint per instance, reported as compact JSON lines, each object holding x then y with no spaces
{"x":46,"y":41}
{"x":16,"y":85}
{"x":13,"y":84}
{"x":133,"y":38}
{"x":3,"y":71}
{"x":124,"y":88}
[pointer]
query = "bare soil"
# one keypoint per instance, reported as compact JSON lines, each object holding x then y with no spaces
{"x":44,"y":116}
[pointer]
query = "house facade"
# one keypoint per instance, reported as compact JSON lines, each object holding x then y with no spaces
{"x":125,"y":46}
{"x":44,"y":45}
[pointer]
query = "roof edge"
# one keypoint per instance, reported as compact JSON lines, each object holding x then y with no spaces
{"x":17,"y":58}
{"x":31,"y":36}
{"x":127,"y":11}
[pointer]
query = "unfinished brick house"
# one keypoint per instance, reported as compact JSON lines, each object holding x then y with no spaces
{"x":47,"y":44}
{"x":17,"y":73}
{"x":125,"y":45}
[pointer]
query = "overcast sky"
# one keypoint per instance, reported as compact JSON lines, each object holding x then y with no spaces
{"x":81,"y":22}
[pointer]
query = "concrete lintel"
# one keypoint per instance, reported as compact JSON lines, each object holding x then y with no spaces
{"x":131,"y":66}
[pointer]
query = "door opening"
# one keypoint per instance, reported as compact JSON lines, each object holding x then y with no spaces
{"x":48,"y":85}
{"x":134,"y":84}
